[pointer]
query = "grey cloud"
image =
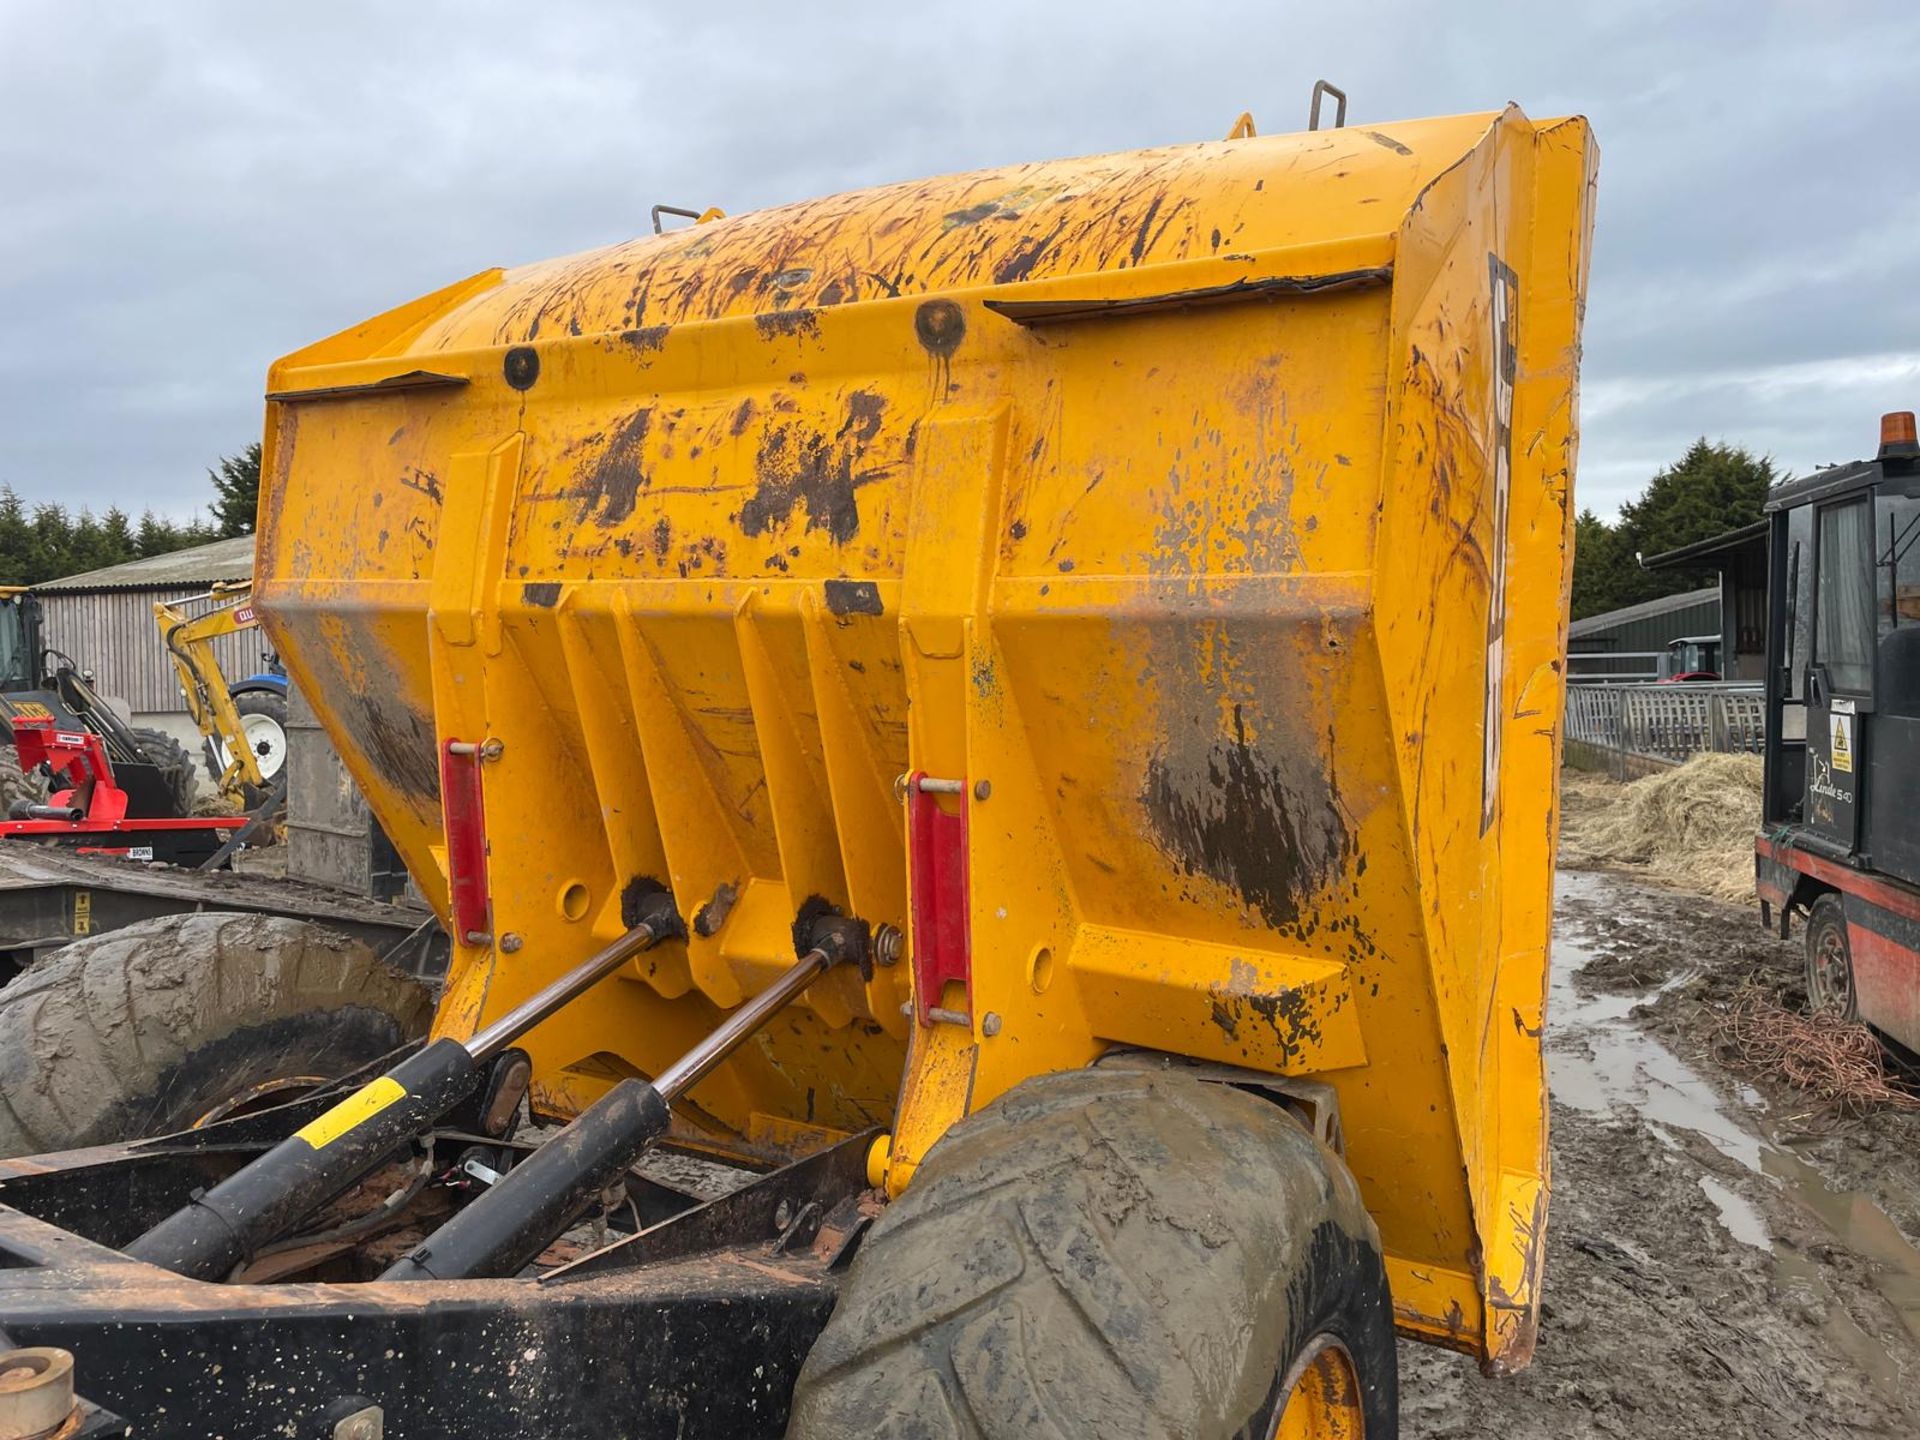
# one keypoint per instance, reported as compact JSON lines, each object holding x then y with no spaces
{"x":195,"y":188}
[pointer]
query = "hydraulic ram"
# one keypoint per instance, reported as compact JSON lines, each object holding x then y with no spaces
{"x":224,"y":1226}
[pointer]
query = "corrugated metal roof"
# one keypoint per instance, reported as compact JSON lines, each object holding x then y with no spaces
{"x":1696,"y":555}
{"x":1645,"y":610}
{"x":202,"y":565}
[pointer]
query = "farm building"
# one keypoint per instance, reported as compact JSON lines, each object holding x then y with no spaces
{"x":103,"y":620}
{"x":1741,"y":558}
{"x":1627,"y":644}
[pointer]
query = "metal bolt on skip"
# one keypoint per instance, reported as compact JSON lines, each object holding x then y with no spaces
{"x":936,"y":785}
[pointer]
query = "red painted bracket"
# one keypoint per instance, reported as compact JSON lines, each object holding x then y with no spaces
{"x":463,"y":809}
{"x":941,"y":943}
{"x":78,"y":757}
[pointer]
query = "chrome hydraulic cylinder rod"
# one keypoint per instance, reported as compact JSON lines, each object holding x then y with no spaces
{"x":228,"y":1223}
{"x":502,"y":1231}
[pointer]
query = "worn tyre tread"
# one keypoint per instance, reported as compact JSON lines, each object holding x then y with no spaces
{"x":124,"y":1034}
{"x":16,"y":784}
{"x":1100,"y":1252}
{"x":1830,"y":910}
{"x":174,"y":762}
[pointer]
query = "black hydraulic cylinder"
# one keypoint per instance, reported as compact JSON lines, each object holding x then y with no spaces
{"x":256,"y":1205}
{"x":504,"y":1229}
{"x":225,"y":1225}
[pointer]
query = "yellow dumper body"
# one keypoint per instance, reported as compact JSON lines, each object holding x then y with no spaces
{"x":1196,"y":521}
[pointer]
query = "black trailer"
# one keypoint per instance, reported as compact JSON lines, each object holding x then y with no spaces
{"x":399,"y":1262}
{"x":1840,"y":837}
{"x":622,"y":1339}
{"x":51,"y":896}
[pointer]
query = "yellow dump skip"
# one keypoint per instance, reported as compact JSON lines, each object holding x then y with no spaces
{"x":1197,"y":520}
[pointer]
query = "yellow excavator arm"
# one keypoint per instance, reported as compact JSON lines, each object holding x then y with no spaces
{"x":189,"y":640}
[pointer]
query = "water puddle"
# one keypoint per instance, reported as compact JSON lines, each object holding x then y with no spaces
{"x":1739,"y":1215}
{"x":1864,"y":1227}
{"x":1804,"y":1286}
{"x":1598,"y":1061}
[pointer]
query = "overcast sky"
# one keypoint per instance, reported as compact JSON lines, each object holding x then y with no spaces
{"x":191,"y":189}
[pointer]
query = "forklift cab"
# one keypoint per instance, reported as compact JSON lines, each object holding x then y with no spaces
{"x":1692,"y":657}
{"x":19,"y":640}
{"x":1843,"y":646}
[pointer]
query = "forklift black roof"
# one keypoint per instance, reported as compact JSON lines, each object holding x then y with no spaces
{"x":1837,"y":480}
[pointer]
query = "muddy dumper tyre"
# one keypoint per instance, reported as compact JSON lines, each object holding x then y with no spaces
{"x":1116,"y":1254}
{"x":149,"y":1028}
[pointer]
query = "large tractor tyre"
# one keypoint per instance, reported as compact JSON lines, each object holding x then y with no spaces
{"x":1830,"y":987}
{"x":263,"y":719}
{"x":150,"y":1028}
{"x":1119,"y":1254}
{"x":16,"y":784}
{"x":175,"y":764}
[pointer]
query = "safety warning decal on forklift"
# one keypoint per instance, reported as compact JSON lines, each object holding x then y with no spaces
{"x":1841,"y":747}
{"x":363,"y":1104}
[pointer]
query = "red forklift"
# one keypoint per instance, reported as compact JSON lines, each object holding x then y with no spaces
{"x":1840,"y":816}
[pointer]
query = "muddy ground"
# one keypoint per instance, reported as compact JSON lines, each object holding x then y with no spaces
{"x":1724,"y":1259}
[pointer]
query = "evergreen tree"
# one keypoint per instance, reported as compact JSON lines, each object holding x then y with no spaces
{"x":46,"y":542}
{"x":155,"y":536}
{"x":84,"y":548}
{"x":1712,"y":489}
{"x":117,"y":537}
{"x":16,"y":539}
{"x":1596,"y":555}
{"x":52,"y":534}
{"x":236,"y":492}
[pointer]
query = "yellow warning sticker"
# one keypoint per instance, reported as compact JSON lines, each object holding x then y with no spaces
{"x":83,"y":912}
{"x":360,"y":1106}
{"x":1842,"y":746}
